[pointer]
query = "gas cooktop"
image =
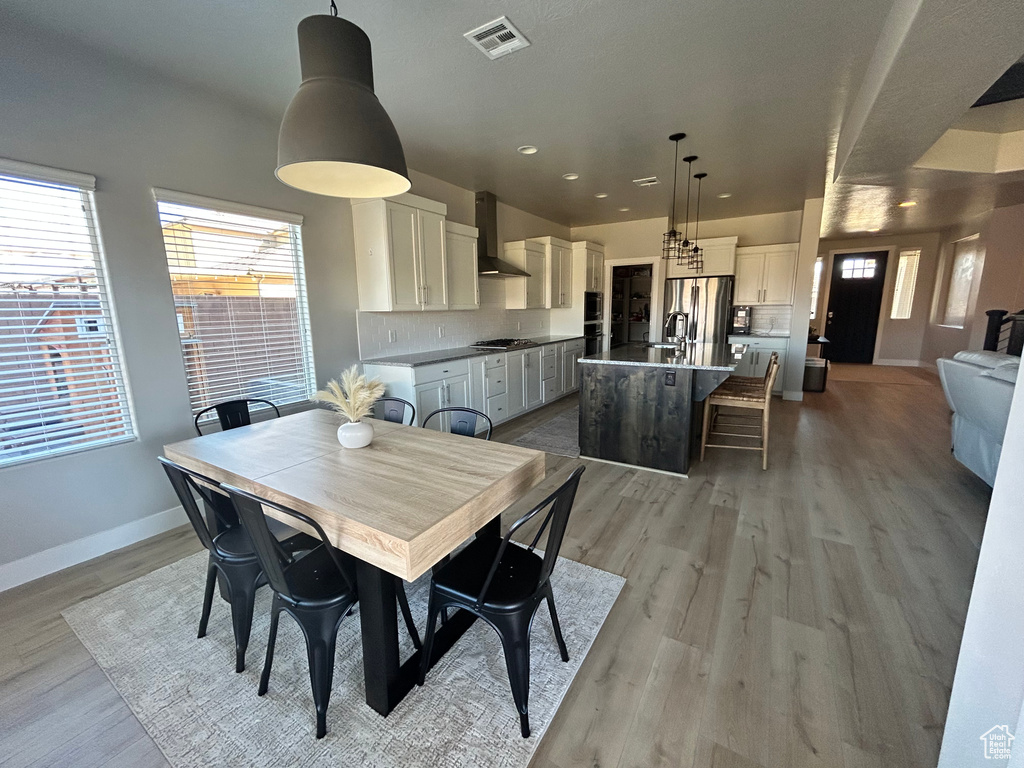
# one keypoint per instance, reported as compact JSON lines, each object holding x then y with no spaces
{"x":503,"y":344}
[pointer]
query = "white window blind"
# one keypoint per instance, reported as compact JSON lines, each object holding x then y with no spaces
{"x":961,"y":278}
{"x":906,"y":281}
{"x":62,"y":385}
{"x":240,"y":297}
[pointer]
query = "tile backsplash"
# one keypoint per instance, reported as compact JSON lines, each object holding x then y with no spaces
{"x":771,"y":319}
{"x":418,"y":331}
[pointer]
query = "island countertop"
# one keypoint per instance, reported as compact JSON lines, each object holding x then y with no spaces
{"x":701,"y":357}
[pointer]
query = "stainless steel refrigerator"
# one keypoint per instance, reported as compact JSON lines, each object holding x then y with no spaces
{"x":706,"y":305}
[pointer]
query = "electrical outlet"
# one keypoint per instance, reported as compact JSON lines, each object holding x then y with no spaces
{"x":392,"y":336}
{"x":440,"y":331}
{"x":519,"y":325}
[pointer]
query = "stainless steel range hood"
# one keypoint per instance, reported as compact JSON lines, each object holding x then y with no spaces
{"x":488,"y":263}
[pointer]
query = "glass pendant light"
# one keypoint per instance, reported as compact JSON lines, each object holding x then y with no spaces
{"x":336,"y":139}
{"x":696,"y":257}
{"x":671,"y":244}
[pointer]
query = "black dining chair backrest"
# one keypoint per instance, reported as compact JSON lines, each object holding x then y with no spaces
{"x":394,"y":409}
{"x":187,"y":485}
{"x":558,"y":506}
{"x":462,"y":421}
{"x":273,"y":558}
{"x":233,"y":413}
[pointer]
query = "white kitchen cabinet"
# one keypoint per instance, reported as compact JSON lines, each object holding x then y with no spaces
{"x":765,"y":274}
{"x":557,"y":271}
{"x":400,"y":248}
{"x":516,"y":384}
{"x":526,"y":292}
{"x":532,"y":376}
{"x":719,"y":259}
{"x":572,"y":352}
{"x":595,"y":265}
{"x":452,"y":392}
{"x":759,"y":350}
{"x":461,"y":266}
{"x":552,"y":380}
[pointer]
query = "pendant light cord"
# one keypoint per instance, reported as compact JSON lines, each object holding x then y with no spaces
{"x":696,"y":228}
{"x":334,"y":9}
{"x":686,"y":231}
{"x":675,"y":176}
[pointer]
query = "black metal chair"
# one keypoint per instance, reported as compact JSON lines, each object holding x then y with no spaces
{"x":462,"y":421}
{"x":231,"y":552}
{"x":394,"y":409}
{"x":504,"y":584}
{"x":317,"y":589}
{"x":233,"y":413}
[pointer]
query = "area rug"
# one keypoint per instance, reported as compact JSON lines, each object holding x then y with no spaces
{"x":186,"y":694}
{"x":559,"y":435}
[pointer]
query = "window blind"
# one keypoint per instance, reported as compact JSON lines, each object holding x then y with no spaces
{"x":961,"y":278}
{"x":62,"y":384}
{"x":240,"y":298}
{"x":906,"y":280}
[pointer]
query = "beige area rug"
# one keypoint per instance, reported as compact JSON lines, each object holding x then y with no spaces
{"x":559,"y":435}
{"x":881,"y":374}
{"x":186,"y":694}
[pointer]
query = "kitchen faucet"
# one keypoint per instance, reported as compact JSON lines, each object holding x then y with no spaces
{"x":671,"y":327}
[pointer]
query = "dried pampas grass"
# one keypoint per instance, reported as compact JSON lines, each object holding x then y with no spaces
{"x":354,"y":397}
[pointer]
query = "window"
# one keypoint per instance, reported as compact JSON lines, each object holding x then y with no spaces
{"x":961,"y":277}
{"x":858,"y":268}
{"x":62,"y":385}
{"x":240,"y":299}
{"x":906,"y":280}
{"x":816,"y":286}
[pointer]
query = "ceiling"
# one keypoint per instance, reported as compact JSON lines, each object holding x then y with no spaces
{"x":761,"y":89}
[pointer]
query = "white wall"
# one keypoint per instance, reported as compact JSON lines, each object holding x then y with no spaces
{"x":989,"y":681}
{"x":68,"y":108}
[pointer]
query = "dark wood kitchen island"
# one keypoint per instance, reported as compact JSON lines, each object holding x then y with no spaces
{"x":642,"y":405}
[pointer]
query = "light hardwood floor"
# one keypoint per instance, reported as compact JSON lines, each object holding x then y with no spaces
{"x":809,"y":615}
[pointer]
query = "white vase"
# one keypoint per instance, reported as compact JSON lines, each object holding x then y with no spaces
{"x":355,"y":434}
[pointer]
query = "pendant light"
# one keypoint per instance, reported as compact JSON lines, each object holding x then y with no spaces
{"x":696,"y":257}
{"x":336,"y":139}
{"x":671,"y":244}
{"x":684,"y":251}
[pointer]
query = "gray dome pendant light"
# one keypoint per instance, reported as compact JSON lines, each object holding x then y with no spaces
{"x":336,"y":139}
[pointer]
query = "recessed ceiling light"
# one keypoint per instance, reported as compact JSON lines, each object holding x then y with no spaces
{"x":527,"y":149}
{"x":623,"y":210}
{"x":570,"y":176}
{"x":601,"y":195}
{"x":908,"y":203}
{"x":724,"y":195}
{"x":876,"y":229}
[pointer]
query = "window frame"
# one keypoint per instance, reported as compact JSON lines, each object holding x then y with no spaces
{"x":295,"y":222}
{"x":85,"y":184}
{"x":949,"y":269}
{"x":912,"y":288}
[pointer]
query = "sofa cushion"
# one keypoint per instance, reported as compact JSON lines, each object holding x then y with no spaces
{"x":986,"y":358}
{"x":1006,"y":372}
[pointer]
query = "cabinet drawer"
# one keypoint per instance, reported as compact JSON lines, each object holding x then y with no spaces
{"x":437,"y":371}
{"x":497,"y":408}
{"x":493,"y":361}
{"x":549,"y":351}
{"x":494,"y":382}
{"x":550,"y":364}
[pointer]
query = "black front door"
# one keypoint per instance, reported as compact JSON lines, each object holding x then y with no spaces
{"x":854,"y":302}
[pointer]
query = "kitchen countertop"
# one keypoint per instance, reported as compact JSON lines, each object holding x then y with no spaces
{"x":775,"y":335}
{"x":701,"y":357}
{"x":415,"y":359}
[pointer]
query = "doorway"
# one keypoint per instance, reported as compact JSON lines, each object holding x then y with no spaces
{"x":631,"y":302}
{"x":854,"y":304}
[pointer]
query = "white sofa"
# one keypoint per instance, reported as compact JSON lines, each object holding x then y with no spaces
{"x":979,"y":387}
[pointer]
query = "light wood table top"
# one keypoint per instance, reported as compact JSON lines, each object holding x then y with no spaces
{"x":402,"y":503}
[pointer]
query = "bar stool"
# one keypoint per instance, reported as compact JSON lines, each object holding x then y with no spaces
{"x":749,"y":395}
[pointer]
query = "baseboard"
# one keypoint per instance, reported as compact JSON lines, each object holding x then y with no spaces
{"x":903,"y":363}
{"x":793,"y":394}
{"x":74,"y":552}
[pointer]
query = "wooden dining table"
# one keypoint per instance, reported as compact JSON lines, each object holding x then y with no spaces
{"x":398,"y":506}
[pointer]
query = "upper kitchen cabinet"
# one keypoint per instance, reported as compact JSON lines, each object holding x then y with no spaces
{"x":401,"y":254}
{"x":461,"y":266}
{"x":593,"y":258}
{"x":526,"y":292}
{"x":765,"y":274}
{"x":720,"y":258}
{"x":557,"y":272}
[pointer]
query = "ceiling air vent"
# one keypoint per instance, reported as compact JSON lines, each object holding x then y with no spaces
{"x":650,"y":181}
{"x":497,"y":38}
